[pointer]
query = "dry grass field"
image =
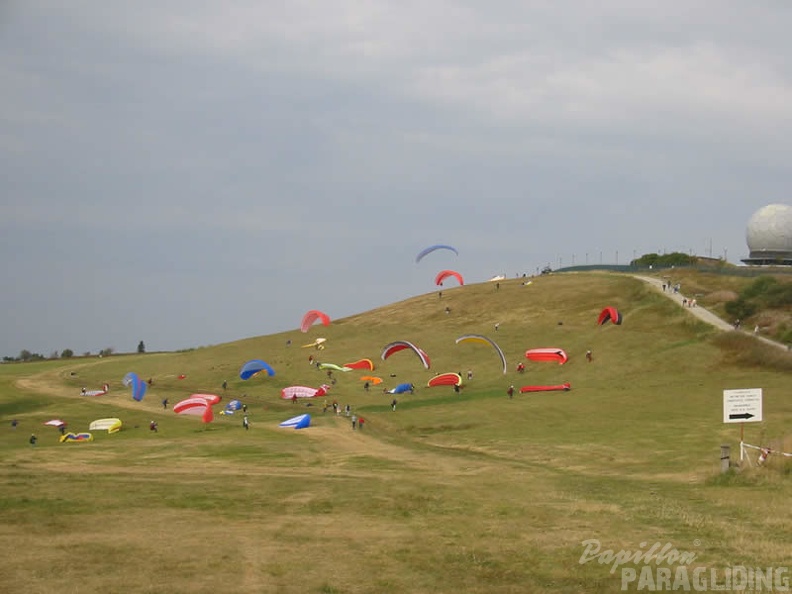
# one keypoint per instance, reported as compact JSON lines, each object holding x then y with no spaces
{"x":469,"y":492}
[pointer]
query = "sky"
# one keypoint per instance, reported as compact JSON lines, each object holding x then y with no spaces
{"x":192,"y":173}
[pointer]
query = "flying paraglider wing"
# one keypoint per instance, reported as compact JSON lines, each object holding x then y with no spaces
{"x":400,"y":345}
{"x":253,"y":367}
{"x":609,"y":314}
{"x":432,"y":248}
{"x":480,"y":338}
{"x":311,"y":317}
{"x":444,"y":274}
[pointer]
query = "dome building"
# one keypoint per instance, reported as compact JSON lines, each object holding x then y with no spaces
{"x":769,"y":236}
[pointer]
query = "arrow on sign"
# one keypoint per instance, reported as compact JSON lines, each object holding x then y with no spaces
{"x":741,"y":416}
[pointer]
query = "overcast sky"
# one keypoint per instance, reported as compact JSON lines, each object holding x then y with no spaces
{"x":191,"y":173}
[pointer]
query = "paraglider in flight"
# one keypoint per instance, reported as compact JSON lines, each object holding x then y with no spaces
{"x":609,"y":313}
{"x":432,"y":248}
{"x":444,"y":274}
{"x":547,"y":354}
{"x":400,"y":345}
{"x":136,"y":385}
{"x":312,"y":316}
{"x":481,"y":339}
{"x":445,"y":379}
{"x":253,"y":367}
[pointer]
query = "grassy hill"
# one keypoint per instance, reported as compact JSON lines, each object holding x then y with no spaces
{"x":468,"y":492}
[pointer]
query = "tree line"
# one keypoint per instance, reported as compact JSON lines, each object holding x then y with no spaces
{"x":26,"y":356}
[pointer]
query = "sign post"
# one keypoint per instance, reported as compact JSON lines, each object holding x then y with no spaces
{"x":742,"y":406}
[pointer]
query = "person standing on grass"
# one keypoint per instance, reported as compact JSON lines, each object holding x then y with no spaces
{"x":33,"y":439}
{"x":245,"y":422}
{"x":354,"y":422}
{"x":394,"y":402}
{"x":510,"y":392}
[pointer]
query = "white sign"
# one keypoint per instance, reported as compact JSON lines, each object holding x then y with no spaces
{"x":742,"y":406}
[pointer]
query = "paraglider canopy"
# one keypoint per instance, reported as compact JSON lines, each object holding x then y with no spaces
{"x":432,"y":248}
{"x":299,"y":422}
{"x":361,"y":364}
{"x":445,"y":379}
{"x":400,"y":345}
{"x":609,"y":313}
{"x":547,"y":354}
{"x":481,"y":339}
{"x":312,"y":316}
{"x":401,"y":388}
{"x":253,"y":367}
{"x":135,"y":384}
{"x":444,"y":274}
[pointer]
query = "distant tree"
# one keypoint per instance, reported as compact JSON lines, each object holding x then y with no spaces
{"x":67,"y":354}
{"x":141,"y":347}
{"x":54,"y":355}
{"x":106,"y":352}
{"x":87,"y":354}
{"x":25,"y":355}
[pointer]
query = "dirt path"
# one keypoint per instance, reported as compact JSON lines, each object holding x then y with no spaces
{"x":701,"y":313}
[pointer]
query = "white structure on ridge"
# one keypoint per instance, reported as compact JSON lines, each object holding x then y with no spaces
{"x":769,"y":236}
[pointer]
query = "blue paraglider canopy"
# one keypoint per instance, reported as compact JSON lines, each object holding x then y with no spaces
{"x":298,"y":422}
{"x":401,"y":389}
{"x":232,"y":406}
{"x":135,"y":384}
{"x":253,"y":367}
{"x":432,"y":248}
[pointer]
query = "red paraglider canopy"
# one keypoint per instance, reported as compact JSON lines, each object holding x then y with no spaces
{"x":400,"y":345}
{"x":312,"y":316}
{"x":444,"y":274}
{"x":609,"y":313}
{"x":547,"y":354}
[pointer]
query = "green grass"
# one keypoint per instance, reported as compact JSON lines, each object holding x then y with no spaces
{"x":467,"y":492}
